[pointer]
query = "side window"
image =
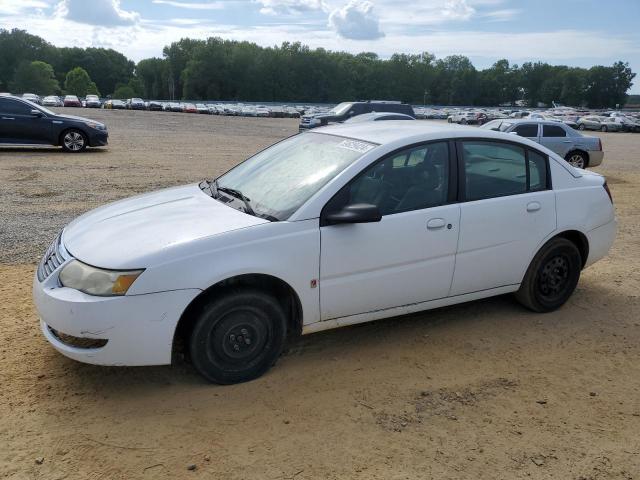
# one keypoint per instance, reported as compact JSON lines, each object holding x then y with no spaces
{"x":494,"y":169}
{"x":414,"y":179}
{"x":537,"y":171}
{"x":13,"y":107}
{"x":553,"y":131}
{"x":527,"y":130}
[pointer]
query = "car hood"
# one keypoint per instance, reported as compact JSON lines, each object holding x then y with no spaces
{"x":73,"y":117}
{"x":124,"y":234}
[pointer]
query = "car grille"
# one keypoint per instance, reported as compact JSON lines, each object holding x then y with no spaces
{"x":52,"y":259}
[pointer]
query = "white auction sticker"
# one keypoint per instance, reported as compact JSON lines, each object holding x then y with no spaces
{"x":356,"y":145}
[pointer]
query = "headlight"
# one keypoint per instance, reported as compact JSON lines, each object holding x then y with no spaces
{"x":96,"y":281}
{"x":96,"y":125}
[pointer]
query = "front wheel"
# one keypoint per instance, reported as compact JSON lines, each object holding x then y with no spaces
{"x":551,"y":277}
{"x":604,"y":128}
{"x":238,"y":337}
{"x":74,"y":141}
{"x":581,"y":126}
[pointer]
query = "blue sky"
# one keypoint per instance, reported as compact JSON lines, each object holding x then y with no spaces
{"x":573,"y":32}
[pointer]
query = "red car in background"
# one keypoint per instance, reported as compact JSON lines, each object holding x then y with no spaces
{"x":190,"y":108}
{"x":72,"y":101}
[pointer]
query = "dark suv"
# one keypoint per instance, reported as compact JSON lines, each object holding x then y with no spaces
{"x":25,"y":123}
{"x":346,"y":110}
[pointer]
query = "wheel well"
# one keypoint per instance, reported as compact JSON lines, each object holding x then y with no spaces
{"x":579,"y":240}
{"x":279,"y":289}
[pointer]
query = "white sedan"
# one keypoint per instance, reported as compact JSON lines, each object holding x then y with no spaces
{"x":341,"y":225}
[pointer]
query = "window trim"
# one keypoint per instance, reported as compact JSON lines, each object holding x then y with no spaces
{"x":452,"y":187}
{"x":462,"y":177}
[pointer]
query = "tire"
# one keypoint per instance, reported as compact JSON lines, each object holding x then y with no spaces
{"x":578,"y":159}
{"x":581,"y":126}
{"x":551,"y":277}
{"x":463,"y":121}
{"x":238,"y":337}
{"x":449,"y":120}
{"x":73,"y":140}
{"x":604,"y":128}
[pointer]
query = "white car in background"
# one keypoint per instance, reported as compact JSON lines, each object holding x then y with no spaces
{"x":341,"y":225}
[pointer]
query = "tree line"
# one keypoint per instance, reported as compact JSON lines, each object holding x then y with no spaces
{"x":218,"y":69}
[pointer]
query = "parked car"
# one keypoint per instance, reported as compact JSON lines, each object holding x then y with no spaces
{"x":135,"y":104}
{"x":114,"y":104}
{"x":92,"y":101}
{"x":627,"y":124}
{"x":377,"y":116}
{"x":52,"y":101}
{"x":190,"y":108}
{"x":154,"y":105}
{"x":467,"y":118}
{"x":25,"y":122}
{"x":32,"y":97}
{"x":202,"y":108}
{"x":346,"y":110}
{"x":71,"y":101}
{"x":176,"y":107}
{"x":396,"y":237}
{"x":594,"y":122}
{"x":579,"y":150}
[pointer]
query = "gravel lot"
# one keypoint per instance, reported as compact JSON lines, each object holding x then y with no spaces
{"x":476,"y":391}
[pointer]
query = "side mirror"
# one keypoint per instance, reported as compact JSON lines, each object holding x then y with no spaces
{"x":36,"y":113}
{"x":355,"y":213}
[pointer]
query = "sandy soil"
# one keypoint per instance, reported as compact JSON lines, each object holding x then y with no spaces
{"x":478,"y":391}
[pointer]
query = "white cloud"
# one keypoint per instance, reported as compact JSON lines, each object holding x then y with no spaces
{"x":192,"y":5}
{"x":289,"y":7}
{"x":13,"y":7}
{"x":356,"y":21}
{"x":457,"y":10}
{"x":96,"y":12}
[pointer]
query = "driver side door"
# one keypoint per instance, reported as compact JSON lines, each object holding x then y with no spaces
{"x":408,"y":257}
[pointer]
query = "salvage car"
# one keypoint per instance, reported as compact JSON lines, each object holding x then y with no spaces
{"x":346,"y":110}
{"x":25,"y":123}
{"x":579,"y":150}
{"x":410,"y":217}
{"x":71,"y":101}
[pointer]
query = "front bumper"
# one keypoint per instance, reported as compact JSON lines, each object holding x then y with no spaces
{"x":138,"y":329}
{"x":98,"y":138}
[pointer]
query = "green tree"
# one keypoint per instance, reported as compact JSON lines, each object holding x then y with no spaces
{"x":123,"y":92}
{"x":78,"y":82}
{"x":35,"y":77}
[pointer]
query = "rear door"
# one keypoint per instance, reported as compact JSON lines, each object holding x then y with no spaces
{"x":507,"y":209}
{"x":555,"y":138}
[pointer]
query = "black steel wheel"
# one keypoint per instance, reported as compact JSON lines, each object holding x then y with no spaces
{"x":551,"y":277}
{"x":238,"y":337}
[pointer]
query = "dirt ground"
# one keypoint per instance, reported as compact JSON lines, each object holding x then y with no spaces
{"x":484,"y":390}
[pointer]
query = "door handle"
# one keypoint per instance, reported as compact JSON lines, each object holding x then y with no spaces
{"x":8,"y":118}
{"x":533,"y":206}
{"x":436,"y":223}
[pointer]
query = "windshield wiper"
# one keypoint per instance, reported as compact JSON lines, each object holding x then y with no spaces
{"x":237,"y":194}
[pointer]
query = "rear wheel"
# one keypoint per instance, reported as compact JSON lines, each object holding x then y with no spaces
{"x":604,"y":128}
{"x":577,"y":159}
{"x":238,"y":337}
{"x":551,"y":277}
{"x":581,"y":126}
{"x":74,"y":141}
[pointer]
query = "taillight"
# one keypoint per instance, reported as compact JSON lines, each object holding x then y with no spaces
{"x":606,"y":189}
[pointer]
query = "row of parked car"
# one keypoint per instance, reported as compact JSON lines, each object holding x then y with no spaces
{"x":604,"y":121}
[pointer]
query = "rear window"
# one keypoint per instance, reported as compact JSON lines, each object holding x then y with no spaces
{"x":553,"y":131}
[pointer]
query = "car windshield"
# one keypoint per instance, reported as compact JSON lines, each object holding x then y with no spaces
{"x":341,"y":108}
{"x":278,"y":180}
